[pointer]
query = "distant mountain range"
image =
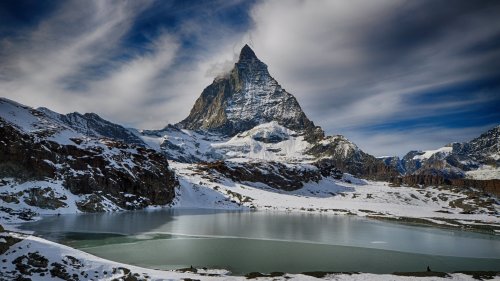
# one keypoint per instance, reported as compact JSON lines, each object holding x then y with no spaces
{"x":476,"y":159}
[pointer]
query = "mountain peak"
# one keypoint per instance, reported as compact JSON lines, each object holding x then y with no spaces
{"x":247,"y":53}
{"x":247,"y":97}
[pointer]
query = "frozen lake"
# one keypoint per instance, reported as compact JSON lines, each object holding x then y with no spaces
{"x":243,"y":242}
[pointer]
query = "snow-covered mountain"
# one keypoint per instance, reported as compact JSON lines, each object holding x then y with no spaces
{"x":246,"y":115}
{"x":244,"y":98}
{"x":48,"y":166}
{"x":477,"y":159}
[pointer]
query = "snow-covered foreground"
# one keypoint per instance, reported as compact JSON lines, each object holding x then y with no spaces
{"x":348,"y":196}
{"x":40,"y":259}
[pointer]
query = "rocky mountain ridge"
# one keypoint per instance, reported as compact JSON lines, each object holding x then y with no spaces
{"x":244,"y":98}
{"x":246,"y":114}
{"x":47,"y":166}
{"x":455,"y":160}
{"x":267,"y":159}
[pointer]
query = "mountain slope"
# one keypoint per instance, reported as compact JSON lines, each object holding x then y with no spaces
{"x":247,"y":116}
{"x":246,"y":97}
{"x":49,"y":167}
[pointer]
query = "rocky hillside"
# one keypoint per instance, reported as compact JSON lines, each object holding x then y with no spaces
{"x":47,"y":166}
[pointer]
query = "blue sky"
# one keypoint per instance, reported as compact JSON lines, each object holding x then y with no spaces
{"x":390,"y":75}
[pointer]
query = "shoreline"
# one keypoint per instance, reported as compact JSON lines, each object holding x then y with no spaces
{"x":436,"y":222}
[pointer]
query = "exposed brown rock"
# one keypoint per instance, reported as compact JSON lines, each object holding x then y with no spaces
{"x":274,"y":174}
{"x":87,"y":170}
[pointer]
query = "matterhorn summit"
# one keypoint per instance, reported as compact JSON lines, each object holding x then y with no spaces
{"x":245,"y":97}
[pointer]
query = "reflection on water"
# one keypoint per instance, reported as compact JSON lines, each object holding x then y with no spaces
{"x":268,"y":241}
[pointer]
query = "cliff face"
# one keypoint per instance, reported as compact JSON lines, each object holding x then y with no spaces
{"x":246,"y":97}
{"x":45,"y":163}
{"x":347,"y":157}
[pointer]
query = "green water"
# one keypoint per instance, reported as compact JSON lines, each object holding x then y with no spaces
{"x":243,"y":242}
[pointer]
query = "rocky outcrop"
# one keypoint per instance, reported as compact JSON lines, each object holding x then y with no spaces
{"x":488,"y":186}
{"x":246,"y":97}
{"x":347,"y":157}
{"x":484,"y":149}
{"x":273,"y":174}
{"x":425,"y":180}
{"x":130,"y":176}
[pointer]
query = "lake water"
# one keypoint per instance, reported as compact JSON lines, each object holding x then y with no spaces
{"x":243,"y":242}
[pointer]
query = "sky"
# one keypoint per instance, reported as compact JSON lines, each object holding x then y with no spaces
{"x":390,"y":75}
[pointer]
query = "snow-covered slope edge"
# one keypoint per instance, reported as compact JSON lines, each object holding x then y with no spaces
{"x":266,"y":142}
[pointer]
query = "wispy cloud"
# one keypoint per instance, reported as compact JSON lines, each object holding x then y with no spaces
{"x":49,"y":66}
{"x":76,"y":60}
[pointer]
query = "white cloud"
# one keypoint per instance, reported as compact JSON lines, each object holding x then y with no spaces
{"x":40,"y":66}
{"x":319,"y":51}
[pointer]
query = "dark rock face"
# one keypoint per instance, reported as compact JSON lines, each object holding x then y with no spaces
{"x":246,"y":97}
{"x":44,"y":198}
{"x":119,"y":172}
{"x":395,"y":162}
{"x":488,"y":186}
{"x":274,"y":174}
{"x":409,"y":164}
{"x":482,"y":147}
